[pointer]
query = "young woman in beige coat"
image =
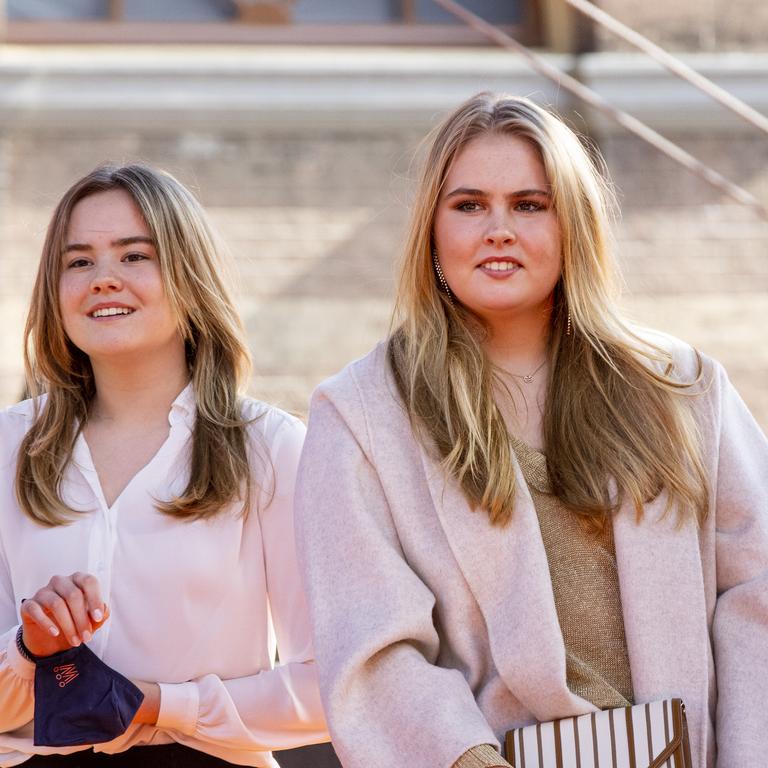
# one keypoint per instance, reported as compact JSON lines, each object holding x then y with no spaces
{"x":518,"y":508}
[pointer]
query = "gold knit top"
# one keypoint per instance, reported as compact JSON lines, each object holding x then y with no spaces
{"x":585,"y":582}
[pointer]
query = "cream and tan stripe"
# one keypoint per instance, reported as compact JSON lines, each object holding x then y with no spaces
{"x":635,"y":737}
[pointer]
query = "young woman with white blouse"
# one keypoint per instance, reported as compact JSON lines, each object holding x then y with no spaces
{"x":146,"y":506}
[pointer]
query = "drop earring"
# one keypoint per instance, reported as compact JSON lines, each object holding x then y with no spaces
{"x":568,"y":324}
{"x":441,"y":277}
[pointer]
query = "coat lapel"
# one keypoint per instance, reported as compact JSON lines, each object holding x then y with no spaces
{"x":507,"y":571}
{"x":662,"y":596}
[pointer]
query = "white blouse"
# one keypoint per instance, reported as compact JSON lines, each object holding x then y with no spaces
{"x":198,"y":607}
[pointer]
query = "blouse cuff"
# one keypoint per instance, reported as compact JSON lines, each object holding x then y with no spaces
{"x":179,"y":705}
{"x":24,"y":668}
{"x":481,"y":756}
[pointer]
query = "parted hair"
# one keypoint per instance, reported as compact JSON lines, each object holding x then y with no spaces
{"x":617,"y":421}
{"x":193,"y":269}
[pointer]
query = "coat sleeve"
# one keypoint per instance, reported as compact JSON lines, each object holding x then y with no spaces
{"x":740,"y":626}
{"x":387,"y":701}
{"x":276,"y":708}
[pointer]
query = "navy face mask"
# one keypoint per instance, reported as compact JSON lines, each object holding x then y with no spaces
{"x":80,"y":700}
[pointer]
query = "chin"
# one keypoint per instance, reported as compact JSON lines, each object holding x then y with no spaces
{"x":495,"y":309}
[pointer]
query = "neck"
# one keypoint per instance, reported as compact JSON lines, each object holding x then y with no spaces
{"x":137,"y":390}
{"x":519,"y":346}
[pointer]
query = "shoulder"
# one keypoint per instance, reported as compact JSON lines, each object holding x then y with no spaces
{"x":22,"y":411}
{"x":689,"y":364}
{"x":363,"y":394}
{"x":367,"y":380}
{"x":361,"y":401}
{"x":270,"y":428}
{"x":710,"y":388}
{"x":16,"y":420}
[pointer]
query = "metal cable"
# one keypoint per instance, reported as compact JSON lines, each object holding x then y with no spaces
{"x":672,"y":63}
{"x":586,"y":94}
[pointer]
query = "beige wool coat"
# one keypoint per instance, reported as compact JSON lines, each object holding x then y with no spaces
{"x":435,"y":631}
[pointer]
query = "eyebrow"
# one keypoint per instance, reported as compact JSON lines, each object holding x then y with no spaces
{"x":469,"y":191}
{"x":119,"y":243}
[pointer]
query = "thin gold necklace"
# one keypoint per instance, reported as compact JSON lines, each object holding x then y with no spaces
{"x":528,"y":377}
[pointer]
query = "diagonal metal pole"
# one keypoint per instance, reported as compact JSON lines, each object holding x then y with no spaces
{"x":632,"y":124}
{"x":672,"y":63}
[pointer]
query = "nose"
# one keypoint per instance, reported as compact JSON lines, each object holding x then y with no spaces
{"x":500,"y":232}
{"x":105,"y":280}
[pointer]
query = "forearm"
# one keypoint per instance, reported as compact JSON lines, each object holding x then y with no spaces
{"x":17,"y":677}
{"x":149,"y":710}
{"x":273,"y":709}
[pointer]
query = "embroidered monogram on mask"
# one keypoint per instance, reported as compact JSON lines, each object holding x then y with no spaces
{"x":65,"y":674}
{"x":81,"y":700}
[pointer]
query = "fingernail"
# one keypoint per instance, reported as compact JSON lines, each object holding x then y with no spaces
{"x":54,"y":631}
{"x":87,"y":636}
{"x":97,"y":615}
{"x":75,"y":641}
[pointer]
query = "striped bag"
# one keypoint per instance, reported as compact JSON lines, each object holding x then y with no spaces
{"x":644,"y":736}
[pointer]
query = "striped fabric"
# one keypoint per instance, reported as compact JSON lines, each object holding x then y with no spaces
{"x":644,"y":736}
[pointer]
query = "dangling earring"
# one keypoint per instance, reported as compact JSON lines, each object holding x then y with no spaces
{"x":441,"y":277}
{"x":568,"y":324}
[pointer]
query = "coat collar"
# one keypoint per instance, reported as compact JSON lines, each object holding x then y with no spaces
{"x":663,"y":602}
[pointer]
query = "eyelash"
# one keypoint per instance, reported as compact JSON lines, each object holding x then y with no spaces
{"x":531,"y":206}
{"x":129,"y":257}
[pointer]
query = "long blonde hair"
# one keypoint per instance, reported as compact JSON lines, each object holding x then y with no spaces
{"x":191,"y":265}
{"x":614,"y":410}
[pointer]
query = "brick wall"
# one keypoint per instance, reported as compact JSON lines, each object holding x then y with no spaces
{"x":315,"y":217}
{"x":692,"y":25}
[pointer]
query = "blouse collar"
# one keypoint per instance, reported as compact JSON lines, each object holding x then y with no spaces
{"x":184,"y":407}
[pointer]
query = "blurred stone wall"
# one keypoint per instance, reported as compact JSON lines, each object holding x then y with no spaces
{"x":313,"y":205}
{"x":311,"y":217}
{"x":692,"y":25}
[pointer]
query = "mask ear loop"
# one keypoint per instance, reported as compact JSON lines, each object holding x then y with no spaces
{"x":441,"y":277}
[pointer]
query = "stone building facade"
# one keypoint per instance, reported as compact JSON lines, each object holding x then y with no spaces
{"x":303,"y":156}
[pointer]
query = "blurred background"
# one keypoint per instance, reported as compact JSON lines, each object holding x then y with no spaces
{"x":296,"y":123}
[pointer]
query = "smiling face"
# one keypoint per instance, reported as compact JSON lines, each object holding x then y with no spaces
{"x":111,"y":296}
{"x":496,"y":231}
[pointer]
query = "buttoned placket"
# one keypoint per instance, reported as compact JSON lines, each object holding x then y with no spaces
{"x":102,"y":534}
{"x":104,"y":519}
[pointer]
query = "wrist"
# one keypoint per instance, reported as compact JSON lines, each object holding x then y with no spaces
{"x":149,"y":710}
{"x":24,"y":652}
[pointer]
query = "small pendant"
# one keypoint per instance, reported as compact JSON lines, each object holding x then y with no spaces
{"x":528,"y":378}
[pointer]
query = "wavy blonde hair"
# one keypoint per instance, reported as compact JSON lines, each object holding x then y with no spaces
{"x":614,"y":411}
{"x":192,"y":269}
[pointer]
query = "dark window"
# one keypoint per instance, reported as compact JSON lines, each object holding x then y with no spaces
{"x":304,"y":11}
{"x":509,"y":12}
{"x":131,"y":10}
{"x":297,"y":22}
